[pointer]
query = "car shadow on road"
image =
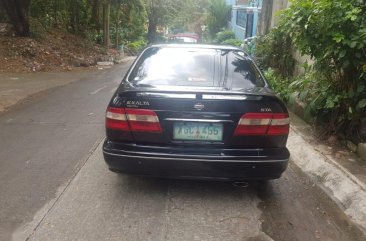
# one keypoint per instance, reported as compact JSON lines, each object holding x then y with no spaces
{"x":197,"y":187}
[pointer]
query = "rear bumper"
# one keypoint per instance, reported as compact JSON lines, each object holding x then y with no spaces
{"x":196,"y":163}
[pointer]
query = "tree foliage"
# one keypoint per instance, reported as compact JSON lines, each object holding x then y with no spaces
{"x":275,"y":50}
{"x":159,"y":12}
{"x":177,"y":15}
{"x":190,"y":16}
{"x":333,"y":33}
{"x":218,"y":16}
{"x":122,"y":21}
{"x":128,"y":21}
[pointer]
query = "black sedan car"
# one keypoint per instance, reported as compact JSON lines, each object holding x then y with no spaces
{"x":196,"y":111}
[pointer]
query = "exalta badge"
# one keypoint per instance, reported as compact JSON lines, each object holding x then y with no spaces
{"x":137,"y":103}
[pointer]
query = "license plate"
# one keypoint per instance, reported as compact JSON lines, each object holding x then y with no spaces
{"x":198,"y":131}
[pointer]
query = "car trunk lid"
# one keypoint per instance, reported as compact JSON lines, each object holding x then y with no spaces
{"x":206,"y":117}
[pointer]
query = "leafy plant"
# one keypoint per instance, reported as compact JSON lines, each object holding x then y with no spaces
{"x":37,"y":29}
{"x":233,"y":42}
{"x":275,"y":50}
{"x":223,"y":36}
{"x":278,"y":83}
{"x":334,"y":34}
{"x":136,"y":46}
{"x":218,"y":15}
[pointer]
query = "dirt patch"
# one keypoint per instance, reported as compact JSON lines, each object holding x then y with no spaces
{"x":55,"y":51}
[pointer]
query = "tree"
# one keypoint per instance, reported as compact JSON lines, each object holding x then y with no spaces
{"x":95,"y":14}
{"x":190,"y":15}
{"x":128,"y":16}
{"x":157,"y":11}
{"x":186,"y":15}
{"x":79,"y":14}
{"x":18,"y":11}
{"x":218,"y":16}
{"x":106,"y":23}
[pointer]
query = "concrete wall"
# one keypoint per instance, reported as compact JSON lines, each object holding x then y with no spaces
{"x":277,"y":6}
{"x":265,"y":18}
{"x":300,"y":61}
{"x":269,"y":18}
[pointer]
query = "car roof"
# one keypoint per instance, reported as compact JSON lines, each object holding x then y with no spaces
{"x":197,"y":46}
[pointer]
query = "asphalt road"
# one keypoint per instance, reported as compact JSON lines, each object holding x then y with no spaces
{"x":45,"y":140}
{"x":54,"y":185}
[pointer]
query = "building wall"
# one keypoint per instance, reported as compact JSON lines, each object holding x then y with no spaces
{"x":244,"y":7}
{"x":238,"y":30}
{"x":277,"y":6}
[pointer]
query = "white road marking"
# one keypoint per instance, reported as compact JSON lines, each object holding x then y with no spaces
{"x":97,"y":90}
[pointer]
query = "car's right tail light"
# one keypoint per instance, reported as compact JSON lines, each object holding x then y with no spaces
{"x":272,"y":124}
{"x":135,"y":120}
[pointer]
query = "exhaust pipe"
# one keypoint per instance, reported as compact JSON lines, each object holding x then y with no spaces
{"x":240,"y":184}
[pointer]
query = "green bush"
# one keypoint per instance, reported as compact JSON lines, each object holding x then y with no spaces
{"x":333,"y":33}
{"x":38,"y":31}
{"x":94,"y":36}
{"x":233,"y":42}
{"x":136,"y":46}
{"x":274,"y":50}
{"x":218,"y":13}
{"x":278,"y":83}
{"x":224,"y":35}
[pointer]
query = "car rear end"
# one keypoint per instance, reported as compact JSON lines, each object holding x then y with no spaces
{"x":202,"y":112}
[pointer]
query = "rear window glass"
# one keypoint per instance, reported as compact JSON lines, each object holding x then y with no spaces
{"x":176,"y":67}
{"x":186,"y":39}
{"x":195,"y":67}
{"x":239,"y":72}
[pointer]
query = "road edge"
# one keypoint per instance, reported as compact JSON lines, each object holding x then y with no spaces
{"x":339,"y":184}
{"x":26,"y":231}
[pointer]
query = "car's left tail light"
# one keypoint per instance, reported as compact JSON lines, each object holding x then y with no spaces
{"x":116,"y":119}
{"x":135,"y":120}
{"x":141,"y":120}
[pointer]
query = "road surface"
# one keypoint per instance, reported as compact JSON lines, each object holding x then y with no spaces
{"x":54,"y":185}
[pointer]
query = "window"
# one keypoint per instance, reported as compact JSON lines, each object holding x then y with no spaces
{"x":249,"y":28}
{"x":239,"y":73}
{"x":195,"y":67}
{"x":175,"y":67}
{"x":241,"y":18}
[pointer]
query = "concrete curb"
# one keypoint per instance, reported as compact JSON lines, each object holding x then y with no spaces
{"x":342,"y":186}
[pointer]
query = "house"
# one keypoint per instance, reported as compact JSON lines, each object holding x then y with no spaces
{"x":254,"y":17}
{"x":244,"y":17}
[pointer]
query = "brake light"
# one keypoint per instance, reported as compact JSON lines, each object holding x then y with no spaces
{"x":280,"y":125}
{"x":143,"y":120}
{"x":116,"y":119}
{"x":263,"y":124}
{"x":136,"y":120}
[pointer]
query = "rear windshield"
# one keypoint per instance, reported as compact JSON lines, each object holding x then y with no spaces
{"x":195,"y":67}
